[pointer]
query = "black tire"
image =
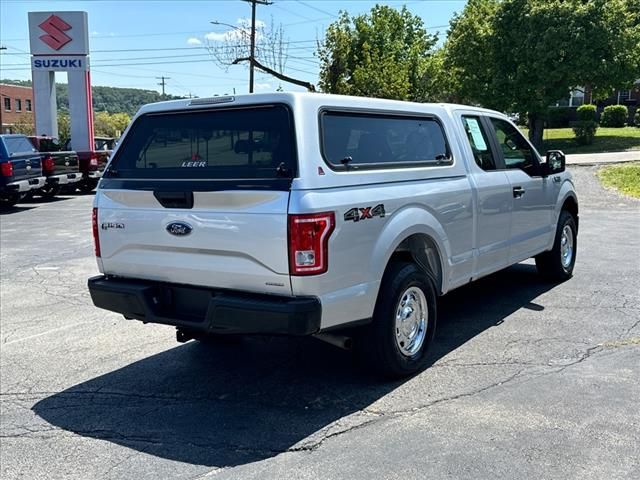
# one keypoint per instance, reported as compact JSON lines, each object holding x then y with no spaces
{"x":49,"y":191}
{"x":377,"y":346}
{"x":8,"y":201}
{"x":552,"y":265}
{"x":87,"y":185}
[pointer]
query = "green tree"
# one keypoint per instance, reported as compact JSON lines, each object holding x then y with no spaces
{"x":119,"y":121}
{"x":524,"y":55}
{"x":64,"y":127}
{"x":380,"y":54}
{"x":23,"y":126}
{"x":102,"y":124}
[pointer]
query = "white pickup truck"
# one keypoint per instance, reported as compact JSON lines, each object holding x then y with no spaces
{"x":311,"y":214}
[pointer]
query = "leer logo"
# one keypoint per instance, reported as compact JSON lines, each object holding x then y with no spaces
{"x":55,"y":27}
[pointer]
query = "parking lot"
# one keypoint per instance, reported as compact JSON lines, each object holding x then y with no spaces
{"x":529,"y":380}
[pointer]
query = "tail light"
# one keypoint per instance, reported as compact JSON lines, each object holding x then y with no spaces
{"x":94,"y":225}
{"x":6,"y":169}
{"x":48,"y":165}
{"x":93,"y":159}
{"x":308,"y":243}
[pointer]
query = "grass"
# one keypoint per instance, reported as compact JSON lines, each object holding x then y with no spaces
{"x":624,"y":178}
{"x":606,"y":140}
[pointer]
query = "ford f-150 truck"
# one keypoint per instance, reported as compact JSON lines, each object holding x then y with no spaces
{"x":60,"y":167}
{"x":307,"y":214}
{"x":20,"y":169}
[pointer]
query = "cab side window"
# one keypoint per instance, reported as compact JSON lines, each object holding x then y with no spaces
{"x":479,"y":141}
{"x":516,"y":151}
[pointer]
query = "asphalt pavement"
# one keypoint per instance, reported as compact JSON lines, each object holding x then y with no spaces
{"x":529,"y":380}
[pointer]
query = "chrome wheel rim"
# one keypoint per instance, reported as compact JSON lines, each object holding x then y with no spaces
{"x":412,"y":319}
{"x":566,"y":246}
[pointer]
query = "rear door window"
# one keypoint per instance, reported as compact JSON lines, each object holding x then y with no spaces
{"x":256,"y":142}
{"x":369,"y":140}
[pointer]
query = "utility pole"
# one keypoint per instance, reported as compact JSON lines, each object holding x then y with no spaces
{"x":253,"y":37}
{"x":163,"y":82}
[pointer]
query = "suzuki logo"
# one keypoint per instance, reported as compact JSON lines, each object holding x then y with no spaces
{"x":55,"y":27}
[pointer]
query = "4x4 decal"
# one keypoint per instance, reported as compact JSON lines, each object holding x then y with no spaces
{"x":356,"y":214}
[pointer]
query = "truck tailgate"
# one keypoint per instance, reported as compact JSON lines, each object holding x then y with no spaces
{"x":65,"y":162}
{"x":238,"y":239}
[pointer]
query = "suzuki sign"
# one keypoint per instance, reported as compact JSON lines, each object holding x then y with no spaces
{"x":59,"y":33}
{"x":60,"y":43}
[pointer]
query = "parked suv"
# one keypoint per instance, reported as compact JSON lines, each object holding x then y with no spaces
{"x":333,"y":216}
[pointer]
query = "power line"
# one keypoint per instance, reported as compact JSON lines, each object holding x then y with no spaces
{"x":316,"y":9}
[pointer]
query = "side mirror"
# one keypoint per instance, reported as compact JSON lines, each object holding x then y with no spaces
{"x":556,"y":163}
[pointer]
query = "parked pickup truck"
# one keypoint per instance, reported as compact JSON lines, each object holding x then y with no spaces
{"x":346,"y":219}
{"x":20,"y":169}
{"x":60,"y":167}
{"x":93,"y":163}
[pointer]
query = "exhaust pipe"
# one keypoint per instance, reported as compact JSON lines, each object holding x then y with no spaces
{"x":340,"y":341}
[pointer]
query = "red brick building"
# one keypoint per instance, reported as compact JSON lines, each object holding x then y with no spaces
{"x":16,"y":107}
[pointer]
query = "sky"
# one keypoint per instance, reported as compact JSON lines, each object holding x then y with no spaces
{"x":133,"y":42}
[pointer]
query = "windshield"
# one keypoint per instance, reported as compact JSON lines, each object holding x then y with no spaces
{"x":254,"y":142}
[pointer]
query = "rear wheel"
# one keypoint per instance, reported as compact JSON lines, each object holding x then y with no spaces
{"x":87,"y":185}
{"x":557,"y":264}
{"x":7,"y":201}
{"x":404,"y":321}
{"x":49,"y":191}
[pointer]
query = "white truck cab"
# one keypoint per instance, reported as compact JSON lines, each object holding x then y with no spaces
{"x":313,"y":214}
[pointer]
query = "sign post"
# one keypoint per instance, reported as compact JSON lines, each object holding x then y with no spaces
{"x":60,"y":43}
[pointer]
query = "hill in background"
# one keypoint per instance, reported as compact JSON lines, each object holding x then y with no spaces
{"x":110,"y":99}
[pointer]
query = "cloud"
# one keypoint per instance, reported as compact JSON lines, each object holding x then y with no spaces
{"x":193,"y":41}
{"x":263,"y":86}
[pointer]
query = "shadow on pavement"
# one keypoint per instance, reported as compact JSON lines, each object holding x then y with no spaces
{"x":36,"y":199}
{"x":232,"y":405}
{"x":4,"y":210}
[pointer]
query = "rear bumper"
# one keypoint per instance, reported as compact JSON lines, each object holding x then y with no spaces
{"x":26,"y":185}
{"x":64,"y":179}
{"x":207,"y":310}
{"x":97,"y":174}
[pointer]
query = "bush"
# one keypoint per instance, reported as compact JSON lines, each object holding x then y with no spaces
{"x":585,"y":131}
{"x":587,"y":113}
{"x":636,"y":119}
{"x":559,"y":117}
{"x":614,"y":116}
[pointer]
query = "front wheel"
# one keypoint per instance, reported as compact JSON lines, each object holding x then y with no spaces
{"x":404,"y":321}
{"x":557,"y":264}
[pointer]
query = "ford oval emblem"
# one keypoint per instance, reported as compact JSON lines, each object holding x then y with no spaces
{"x":179,"y":229}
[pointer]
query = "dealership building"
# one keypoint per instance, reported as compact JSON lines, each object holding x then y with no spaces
{"x":16,"y":108}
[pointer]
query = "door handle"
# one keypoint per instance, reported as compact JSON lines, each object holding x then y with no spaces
{"x":557,"y":179}
{"x":518,"y":192}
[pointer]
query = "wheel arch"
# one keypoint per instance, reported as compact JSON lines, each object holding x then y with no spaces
{"x":416,"y":236}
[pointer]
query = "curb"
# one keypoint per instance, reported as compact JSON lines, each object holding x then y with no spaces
{"x":601,"y":163}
